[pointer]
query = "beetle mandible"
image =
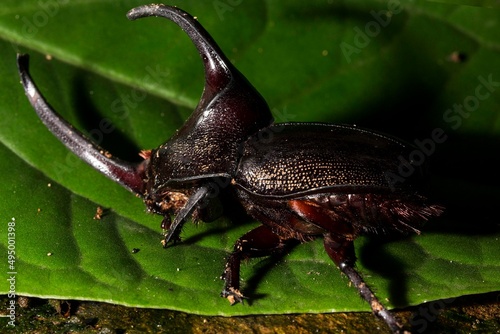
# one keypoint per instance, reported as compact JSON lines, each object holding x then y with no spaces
{"x":308,"y":180}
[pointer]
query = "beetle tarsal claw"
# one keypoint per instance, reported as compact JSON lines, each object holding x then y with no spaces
{"x":233,"y":296}
{"x":170,"y":240}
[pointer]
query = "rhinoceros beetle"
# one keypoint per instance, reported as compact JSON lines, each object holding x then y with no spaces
{"x":301,"y":180}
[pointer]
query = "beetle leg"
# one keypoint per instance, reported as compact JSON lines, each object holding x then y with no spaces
{"x":261,"y":241}
{"x":175,"y":228}
{"x":166,"y":224}
{"x":341,"y":251}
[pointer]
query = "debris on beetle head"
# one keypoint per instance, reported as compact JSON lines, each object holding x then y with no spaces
{"x":106,"y":154}
{"x":145,"y":154}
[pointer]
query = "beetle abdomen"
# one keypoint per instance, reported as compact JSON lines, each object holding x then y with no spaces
{"x":291,"y":158}
{"x":372,"y":213}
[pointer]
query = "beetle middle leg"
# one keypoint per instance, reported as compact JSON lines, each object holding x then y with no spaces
{"x":341,"y":251}
{"x":261,"y":241}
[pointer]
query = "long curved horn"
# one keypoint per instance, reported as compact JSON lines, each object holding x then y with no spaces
{"x":215,"y":61}
{"x":127,"y":174}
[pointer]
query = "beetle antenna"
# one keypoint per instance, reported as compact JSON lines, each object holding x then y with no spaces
{"x":127,"y":174}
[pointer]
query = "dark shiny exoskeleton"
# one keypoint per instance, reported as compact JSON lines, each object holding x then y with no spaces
{"x":301,"y":180}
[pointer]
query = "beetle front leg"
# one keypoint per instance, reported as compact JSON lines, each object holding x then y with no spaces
{"x":341,"y":251}
{"x":175,"y":227}
{"x":259,"y":242}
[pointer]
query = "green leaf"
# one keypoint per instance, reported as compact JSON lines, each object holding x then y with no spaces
{"x":342,"y":62}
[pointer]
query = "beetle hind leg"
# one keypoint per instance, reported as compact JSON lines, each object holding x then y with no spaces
{"x":341,"y":251}
{"x":259,"y":242}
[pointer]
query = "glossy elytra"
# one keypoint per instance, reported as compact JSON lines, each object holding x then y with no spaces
{"x":304,"y":181}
